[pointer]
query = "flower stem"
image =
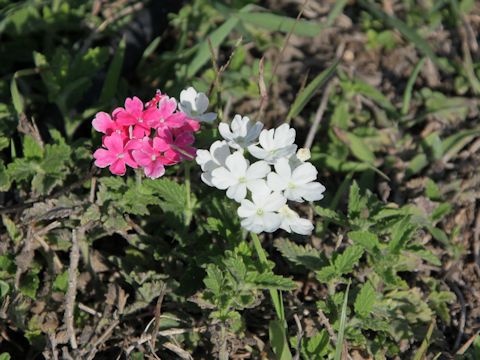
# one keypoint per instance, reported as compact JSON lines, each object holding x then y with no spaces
{"x":275,"y":295}
{"x":138,"y":177}
{"x":188,"y":208}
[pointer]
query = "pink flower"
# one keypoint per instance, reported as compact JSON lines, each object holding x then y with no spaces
{"x":105,"y":124}
{"x":134,"y":114}
{"x":116,"y":155}
{"x":153,"y":155}
{"x":178,"y":142}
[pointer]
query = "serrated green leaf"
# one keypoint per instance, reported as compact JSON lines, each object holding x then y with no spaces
{"x":331,"y":216}
{"x":432,"y":190}
{"x":272,"y":281}
{"x":401,"y":233}
{"x":29,"y":285}
{"x":31,"y":148}
{"x":365,"y":300}
{"x":326,"y":274}
{"x":366,"y":239}
{"x":356,"y":203}
{"x":316,"y":347}
{"x":300,"y":255}
{"x":214,"y":279}
{"x":173,"y":195}
{"x":20,"y":170}
{"x":345,"y":262}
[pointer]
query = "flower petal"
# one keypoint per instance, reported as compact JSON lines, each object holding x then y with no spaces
{"x":274,"y":202}
{"x":103,"y":158}
{"x":304,"y":173}
{"x":114,"y":143}
{"x":222,"y":178}
{"x":118,"y":167}
{"x":258,"y":170}
{"x":237,"y":164}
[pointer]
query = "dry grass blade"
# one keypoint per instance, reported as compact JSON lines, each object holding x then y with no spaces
{"x":72,"y":290}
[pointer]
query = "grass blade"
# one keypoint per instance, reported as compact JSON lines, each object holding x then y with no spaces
{"x":278,"y":340}
{"x":335,"y":12}
{"x":341,"y":331}
{"x":407,"y":95}
{"x":425,"y":343}
{"x":113,"y":74}
{"x":281,"y":23}
{"x":216,"y":38}
{"x":17,"y":98}
{"x":306,"y":94}
{"x":411,"y":35}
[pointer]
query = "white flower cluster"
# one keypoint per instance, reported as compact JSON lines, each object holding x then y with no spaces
{"x":225,"y":167}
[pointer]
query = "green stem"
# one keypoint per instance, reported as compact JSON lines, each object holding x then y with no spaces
{"x":274,"y":294}
{"x":188,"y":209}
{"x":138,"y":177}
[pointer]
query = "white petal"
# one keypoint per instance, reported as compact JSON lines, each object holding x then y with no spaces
{"x":255,"y":184}
{"x":207,"y":178}
{"x":219,"y":151}
{"x":266,"y":139}
{"x":312,"y":191}
{"x":188,"y":95}
{"x":260,"y":193}
{"x":237,"y":164}
{"x":274,"y":202}
{"x":294,"y":194}
{"x":252,"y":224}
{"x":237,"y":192}
{"x":201,"y":103}
{"x":208,"y":117}
{"x":304,"y":173}
{"x":246,"y":209}
{"x":284,"y":136}
{"x":282,"y":168}
{"x":257,"y":152}
{"x":271,"y":221}
{"x":203,"y":156}
{"x":301,"y":226}
{"x":224,"y":130}
{"x":258,"y":170}
{"x":238,"y":126}
{"x":222,"y":178}
{"x":275,"y":182}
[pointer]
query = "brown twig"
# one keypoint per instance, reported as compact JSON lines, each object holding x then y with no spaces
{"x":72,"y":289}
{"x":326,"y":324}
{"x":318,"y":116}
{"x":158,"y":310}
{"x":300,"y":334}
{"x":102,"y":339}
{"x":463,"y":314}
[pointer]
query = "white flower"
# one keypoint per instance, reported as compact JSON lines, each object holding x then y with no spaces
{"x":275,"y":144}
{"x":237,"y":176}
{"x":210,"y":160}
{"x":243,"y":132}
{"x":291,"y":221}
{"x":194,"y":105}
{"x":261,"y":213}
{"x":298,"y":185}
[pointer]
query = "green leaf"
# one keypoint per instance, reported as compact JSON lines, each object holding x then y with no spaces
{"x":29,"y":285}
{"x":31,"y":148}
{"x":307,"y":93}
{"x":345,"y":262}
{"x":300,"y":255}
{"x":316,"y":347}
{"x":331,"y":216}
{"x":278,"y":340}
{"x":20,"y":170}
{"x":17,"y":98}
{"x":432,"y":190}
{"x":216,"y":37}
{"x":363,"y":88}
{"x":272,"y":281}
{"x":173,"y":196}
{"x":61,"y":282}
{"x":4,"y":289}
{"x":365,"y":300}
{"x":12,"y":230}
{"x":407,"y":94}
{"x":326,"y":274}
{"x":110,"y":85}
{"x":359,"y":148}
{"x":281,"y":23}
{"x":401,"y":233}
{"x":356,"y":202}
{"x":366,"y":239}
{"x":4,"y":356}
{"x":4,"y":178}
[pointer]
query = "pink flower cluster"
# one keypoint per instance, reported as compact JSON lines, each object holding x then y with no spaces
{"x":149,"y":136}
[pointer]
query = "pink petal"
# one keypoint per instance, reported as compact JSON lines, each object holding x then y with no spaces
{"x":165,"y":134}
{"x":151,"y":117}
{"x":103,"y":158}
{"x":155,"y":170}
{"x":141,"y":158}
{"x":140,"y":131}
{"x":184,"y":138}
{"x":176,"y":120}
{"x":127,"y":157}
{"x":193,"y":125}
{"x":125,"y":118}
{"x":134,"y":106}
{"x":114,"y":143}
{"x":118,"y":167}
{"x":103,"y":122}
{"x":160,"y":145}
{"x":167,"y":106}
